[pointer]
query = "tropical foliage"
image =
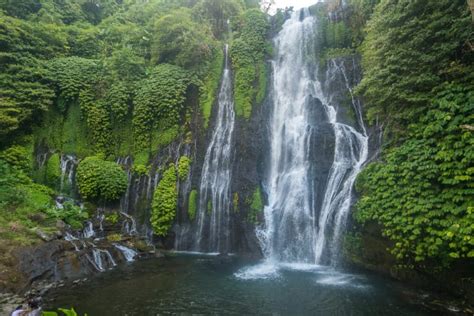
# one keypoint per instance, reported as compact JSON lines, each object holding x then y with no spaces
{"x":418,"y":74}
{"x":98,"y":179}
{"x":165,"y":202}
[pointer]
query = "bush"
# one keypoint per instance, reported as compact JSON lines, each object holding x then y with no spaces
{"x":71,"y":214}
{"x":98,"y":179}
{"x":422,"y":192}
{"x":165,"y":202}
{"x":161,"y":98}
{"x":18,"y":157}
{"x":248,"y":54}
{"x":184,"y":166}
{"x":256,"y":206}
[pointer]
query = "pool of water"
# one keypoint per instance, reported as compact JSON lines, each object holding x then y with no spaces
{"x":183,"y":284}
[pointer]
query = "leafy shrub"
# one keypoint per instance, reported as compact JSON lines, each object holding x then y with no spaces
{"x":422,"y":192}
{"x":161,"y":98}
{"x":181,"y":41}
{"x":10,"y":179}
{"x":400,"y":69}
{"x":18,"y":157}
{"x":184,"y":166}
{"x":98,"y":179}
{"x":140,"y":170}
{"x":165,"y":202}
{"x":256,"y":206}
{"x":71,"y":214}
{"x":71,"y":75}
{"x":247,"y":54}
{"x":112,"y":218}
{"x":209,"y":89}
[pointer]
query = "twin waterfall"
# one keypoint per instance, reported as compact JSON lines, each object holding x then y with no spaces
{"x":317,"y":148}
{"x":302,"y":222}
{"x":213,"y":218}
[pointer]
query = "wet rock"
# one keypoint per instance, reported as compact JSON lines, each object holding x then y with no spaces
{"x":44,"y":236}
{"x":61,"y":225}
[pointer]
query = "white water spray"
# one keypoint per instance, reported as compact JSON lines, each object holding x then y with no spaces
{"x":213,"y":218}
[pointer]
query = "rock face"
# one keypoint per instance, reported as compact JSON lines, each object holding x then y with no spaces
{"x":54,"y":261}
{"x":369,"y":251}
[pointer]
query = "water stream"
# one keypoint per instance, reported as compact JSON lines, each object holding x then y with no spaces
{"x":307,"y":210}
{"x":213,"y":217}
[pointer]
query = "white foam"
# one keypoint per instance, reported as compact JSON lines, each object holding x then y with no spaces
{"x":196,"y":253}
{"x":324,"y":275}
{"x":296,"y":266}
{"x":265,"y":270}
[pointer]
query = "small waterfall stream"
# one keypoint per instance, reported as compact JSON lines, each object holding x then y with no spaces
{"x":213,"y":218}
{"x":68,"y":165}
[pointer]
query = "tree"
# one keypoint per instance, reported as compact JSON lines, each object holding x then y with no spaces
{"x":180,"y":41}
{"x":411,"y":48}
{"x":218,"y":13}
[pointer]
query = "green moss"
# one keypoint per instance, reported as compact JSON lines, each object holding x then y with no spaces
{"x":235,"y":202}
{"x":114,"y":237}
{"x":192,"y":204}
{"x":209,"y":207}
{"x":209,"y":89}
{"x":244,"y":90}
{"x":256,"y":206}
{"x":74,"y":134}
{"x":123,"y":134}
{"x":262,"y":82}
{"x":164,"y":136}
{"x":65,"y":132}
{"x":50,"y":131}
{"x":165,"y":202}
{"x":184,"y":166}
{"x":53,"y":170}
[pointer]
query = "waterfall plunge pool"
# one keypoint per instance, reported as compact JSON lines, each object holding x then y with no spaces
{"x":195,"y":284}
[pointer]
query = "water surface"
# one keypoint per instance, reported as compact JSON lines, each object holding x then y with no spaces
{"x":183,"y":285}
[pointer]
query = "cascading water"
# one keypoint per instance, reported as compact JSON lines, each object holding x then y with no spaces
{"x":213,"y":218}
{"x":128,"y":253}
{"x":304,"y":217}
{"x":68,"y":170}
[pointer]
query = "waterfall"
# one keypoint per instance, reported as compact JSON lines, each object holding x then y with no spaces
{"x":101,"y":259}
{"x":305,"y":215}
{"x":68,"y":166}
{"x":213,"y":218}
{"x":128,"y":253}
{"x":88,"y":231}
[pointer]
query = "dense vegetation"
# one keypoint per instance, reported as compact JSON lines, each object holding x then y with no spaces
{"x":165,"y":201}
{"x":418,"y":84}
{"x":98,"y":179}
{"x":104,"y":79}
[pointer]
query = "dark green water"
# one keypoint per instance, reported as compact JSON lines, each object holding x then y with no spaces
{"x":184,"y":285}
